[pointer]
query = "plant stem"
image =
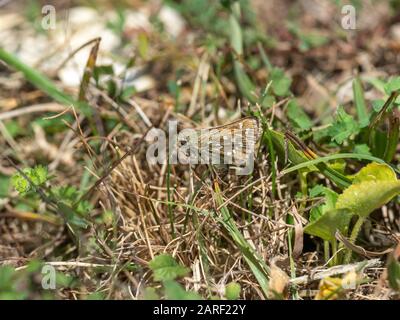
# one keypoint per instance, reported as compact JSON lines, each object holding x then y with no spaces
{"x":326,"y":250}
{"x":353,"y":236}
{"x":334,"y":253}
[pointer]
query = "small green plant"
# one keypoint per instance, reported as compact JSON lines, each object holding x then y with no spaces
{"x":373,"y":186}
{"x":29,"y":179}
{"x":31,"y":183}
{"x":27,"y":283}
{"x":166,"y":269}
{"x":308,"y":40}
{"x":232,"y":291}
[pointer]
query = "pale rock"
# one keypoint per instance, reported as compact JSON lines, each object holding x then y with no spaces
{"x":172,"y":20}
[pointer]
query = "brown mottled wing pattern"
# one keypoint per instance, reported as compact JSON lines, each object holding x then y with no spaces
{"x":234,"y":142}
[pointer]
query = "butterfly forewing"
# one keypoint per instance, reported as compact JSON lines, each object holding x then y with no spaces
{"x":232,"y":143}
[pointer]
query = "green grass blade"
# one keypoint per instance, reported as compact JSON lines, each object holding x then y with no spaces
{"x":244,"y":83}
{"x":41,"y":82}
{"x":392,"y":138}
{"x":255,"y":262}
{"x":359,"y":101}
{"x":297,"y":157}
{"x":309,"y":163}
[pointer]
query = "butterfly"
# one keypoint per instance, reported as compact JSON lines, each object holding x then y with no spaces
{"x":233,"y":143}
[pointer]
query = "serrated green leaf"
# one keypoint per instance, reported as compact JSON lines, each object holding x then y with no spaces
{"x":38,"y":175}
{"x":372,"y":187}
{"x":362,"y":149}
{"x":20,"y":183}
{"x":343,"y":127}
{"x":165,"y":268}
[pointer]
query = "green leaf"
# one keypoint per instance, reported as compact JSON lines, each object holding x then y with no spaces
{"x":372,"y":187}
{"x":297,"y":116}
{"x":343,"y":127}
{"x":65,"y":280}
{"x":301,"y":162}
{"x":377,"y":83}
{"x":329,"y":203}
{"x":362,"y":149}
{"x":128,"y":92}
{"x":38,"y":175}
{"x":377,"y":105}
{"x":174,"y":291}
{"x":232,"y":291}
{"x":312,"y":40}
{"x":280,"y":144}
{"x":68,"y":195}
{"x":34,"y":266}
{"x":267,"y":100}
{"x":165,"y":268}
{"x":72,"y":216}
{"x":99,"y":71}
{"x":392,"y":85}
{"x":308,"y":40}
{"x":392,"y":136}
{"x":7,"y":274}
{"x":326,"y":225}
{"x":280,"y":82}
{"x":20,"y":183}
{"x":14,"y":128}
